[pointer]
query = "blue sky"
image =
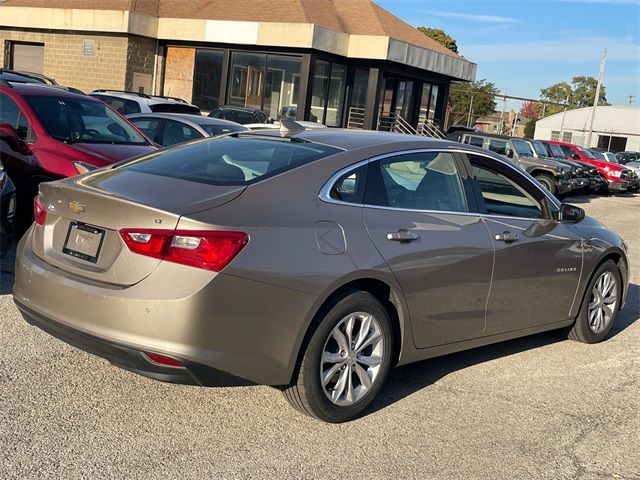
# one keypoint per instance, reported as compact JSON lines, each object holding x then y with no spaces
{"x":525,"y":45}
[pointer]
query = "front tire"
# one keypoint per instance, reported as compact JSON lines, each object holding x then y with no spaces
{"x":600,"y":305}
{"x":346,"y":361}
{"x":547,"y":182}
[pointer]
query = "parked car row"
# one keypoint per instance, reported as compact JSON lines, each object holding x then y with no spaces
{"x":562,"y":168}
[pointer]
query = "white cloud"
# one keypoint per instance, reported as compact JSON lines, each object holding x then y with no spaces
{"x":472,"y":17}
{"x":574,"y":50}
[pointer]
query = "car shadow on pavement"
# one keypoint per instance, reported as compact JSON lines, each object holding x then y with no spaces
{"x":406,"y":380}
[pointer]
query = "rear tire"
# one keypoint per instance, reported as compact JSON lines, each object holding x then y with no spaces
{"x":547,"y":182}
{"x":600,"y":305}
{"x":346,"y":361}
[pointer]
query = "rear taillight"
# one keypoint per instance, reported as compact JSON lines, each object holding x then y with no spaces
{"x":39,"y":211}
{"x":210,"y":250}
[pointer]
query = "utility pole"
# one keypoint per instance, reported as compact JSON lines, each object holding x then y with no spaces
{"x":515,"y":122}
{"x":504,"y":107}
{"x":564,"y":114}
{"x":470,"y":111}
{"x":597,"y":97}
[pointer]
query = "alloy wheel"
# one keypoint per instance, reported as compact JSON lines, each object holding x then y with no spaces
{"x":602,"y":302}
{"x":352,"y":358}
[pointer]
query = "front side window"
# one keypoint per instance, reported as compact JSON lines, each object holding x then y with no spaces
{"x":148,"y":126}
{"x":502,"y":195}
{"x":79,"y":120}
{"x":587,"y":153}
{"x":556,"y":151}
{"x":568,"y":152}
{"x":475,"y":141}
{"x":522,"y":148}
{"x":176,"y":132}
{"x":498,"y":146}
{"x":416,"y":181}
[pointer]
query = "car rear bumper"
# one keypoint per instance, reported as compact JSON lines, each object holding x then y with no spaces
{"x":226,"y":329}
{"x":132,"y":359}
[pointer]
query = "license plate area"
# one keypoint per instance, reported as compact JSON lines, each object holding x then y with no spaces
{"x":83,"y":242}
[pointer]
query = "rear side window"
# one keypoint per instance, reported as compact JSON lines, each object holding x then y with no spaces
{"x":148,"y":126}
{"x":349,"y":187}
{"x":416,"y":181}
{"x":230,"y":160}
{"x":177,"y":132}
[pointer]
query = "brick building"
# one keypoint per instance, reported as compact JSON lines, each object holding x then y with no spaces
{"x":340,"y":62}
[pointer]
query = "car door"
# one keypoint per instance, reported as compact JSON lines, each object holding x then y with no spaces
{"x":19,"y":159}
{"x":418,"y":217}
{"x":537,"y":260}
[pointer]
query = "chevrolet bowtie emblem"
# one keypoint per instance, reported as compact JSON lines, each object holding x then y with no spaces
{"x":76,"y":207}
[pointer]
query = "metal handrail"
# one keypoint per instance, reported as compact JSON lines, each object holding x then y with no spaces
{"x":392,"y":122}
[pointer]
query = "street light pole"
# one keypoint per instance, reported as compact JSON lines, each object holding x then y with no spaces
{"x":597,"y":97}
{"x":564,"y":114}
{"x":470,"y":110}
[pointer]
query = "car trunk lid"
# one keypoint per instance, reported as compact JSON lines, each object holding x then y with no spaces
{"x":85,"y":214}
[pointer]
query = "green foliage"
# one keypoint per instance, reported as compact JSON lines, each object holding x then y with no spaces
{"x":580,"y":93}
{"x":483,"y":94}
{"x":530,"y":128}
{"x":441,"y":37}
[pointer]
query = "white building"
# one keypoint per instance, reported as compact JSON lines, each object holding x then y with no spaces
{"x":616,"y":128}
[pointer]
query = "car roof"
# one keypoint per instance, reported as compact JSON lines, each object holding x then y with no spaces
{"x":150,"y":99}
{"x":350,"y":139}
{"x":185,"y":117}
{"x":42,"y":89}
{"x":240,"y":109}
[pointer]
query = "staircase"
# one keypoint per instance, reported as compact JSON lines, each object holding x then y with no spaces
{"x":392,"y":122}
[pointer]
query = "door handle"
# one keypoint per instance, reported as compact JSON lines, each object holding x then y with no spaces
{"x":403,"y":236}
{"x":506,"y":237}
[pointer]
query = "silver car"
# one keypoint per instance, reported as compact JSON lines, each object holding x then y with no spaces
{"x":167,"y":129}
{"x":314,"y":261}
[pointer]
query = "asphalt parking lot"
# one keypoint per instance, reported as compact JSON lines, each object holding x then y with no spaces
{"x":538,"y":407}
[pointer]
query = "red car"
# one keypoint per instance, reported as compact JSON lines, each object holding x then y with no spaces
{"x":48,"y":133}
{"x":612,"y":173}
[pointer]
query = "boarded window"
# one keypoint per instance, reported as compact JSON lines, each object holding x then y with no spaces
{"x":27,"y":57}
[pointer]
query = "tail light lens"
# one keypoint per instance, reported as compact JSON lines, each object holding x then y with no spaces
{"x":162,"y":360}
{"x":39,"y":211}
{"x":210,"y":250}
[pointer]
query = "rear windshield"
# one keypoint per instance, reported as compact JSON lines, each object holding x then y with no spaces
{"x":237,"y":116}
{"x":230,"y":160}
{"x":214,"y":130}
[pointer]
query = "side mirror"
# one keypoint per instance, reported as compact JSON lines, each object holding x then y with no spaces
{"x":575,"y":156}
{"x":9,"y":135}
{"x":570,"y":214}
{"x":509,"y":153}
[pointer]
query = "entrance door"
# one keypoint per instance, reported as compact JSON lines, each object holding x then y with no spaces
{"x":417,"y":217}
{"x":253,"y":97}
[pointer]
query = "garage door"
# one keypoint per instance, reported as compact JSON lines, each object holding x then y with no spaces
{"x":28,"y":57}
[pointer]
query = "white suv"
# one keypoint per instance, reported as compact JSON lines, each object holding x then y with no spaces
{"x":128,"y":103}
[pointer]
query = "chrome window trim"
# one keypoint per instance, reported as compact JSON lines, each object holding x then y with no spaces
{"x":325,"y":191}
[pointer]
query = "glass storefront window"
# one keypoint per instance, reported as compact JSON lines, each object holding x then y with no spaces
{"x":282,"y":84}
{"x":428,"y":102}
{"x":319,"y":90}
{"x":265,"y":82}
{"x":206,"y":79}
{"x":246,"y":80}
{"x":327,"y":95}
{"x":432,"y":103}
{"x":336,"y":96}
{"x":360,"y":85}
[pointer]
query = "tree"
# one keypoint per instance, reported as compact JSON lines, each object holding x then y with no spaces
{"x":530,"y":128}
{"x":531,"y":110}
{"x":441,"y":37}
{"x":580,"y":93}
{"x":483,"y":94}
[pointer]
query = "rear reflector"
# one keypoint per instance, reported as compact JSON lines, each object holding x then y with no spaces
{"x":162,"y":360}
{"x":39,"y":211}
{"x":210,"y":250}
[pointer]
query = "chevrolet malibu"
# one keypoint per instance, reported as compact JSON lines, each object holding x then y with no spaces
{"x":313,"y":261}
